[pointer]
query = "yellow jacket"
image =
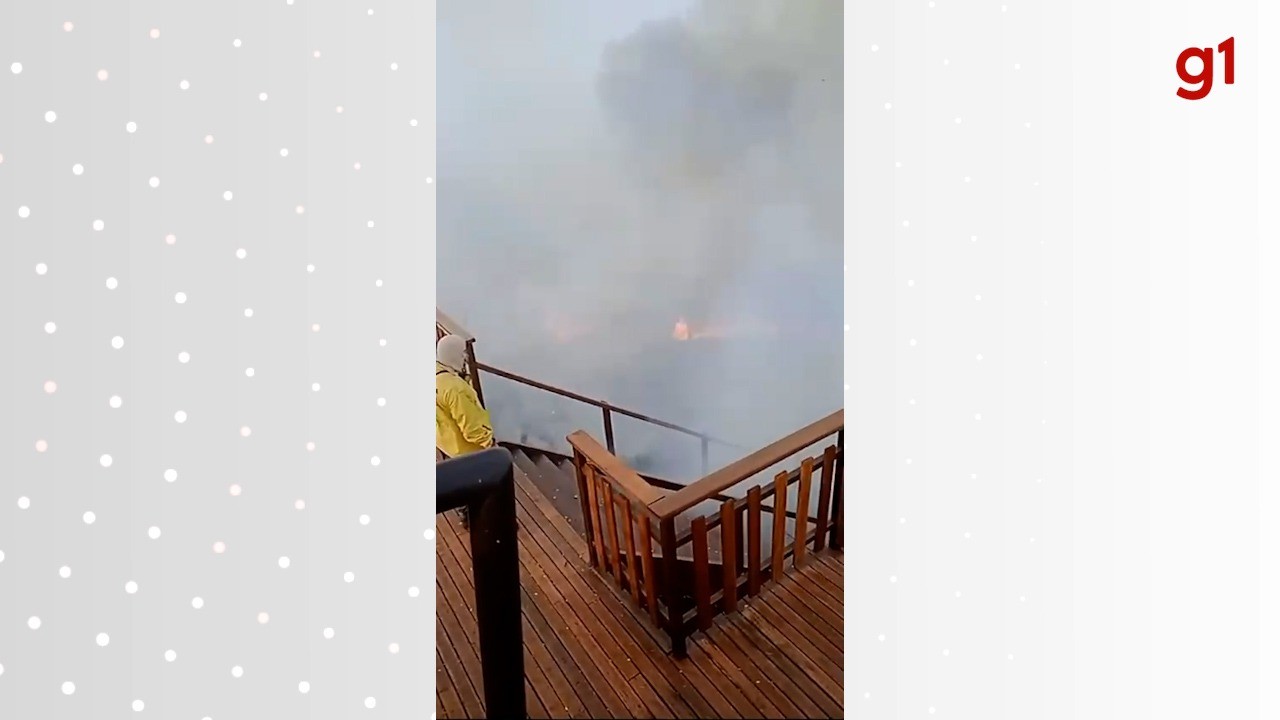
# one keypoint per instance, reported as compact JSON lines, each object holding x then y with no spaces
{"x":462,"y":425}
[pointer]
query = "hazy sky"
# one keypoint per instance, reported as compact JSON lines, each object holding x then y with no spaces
{"x":606,"y":168}
{"x":501,"y":66}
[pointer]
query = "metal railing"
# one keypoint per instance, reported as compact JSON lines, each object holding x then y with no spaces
{"x":608,"y":410}
{"x":447,"y":326}
{"x":484,"y":483}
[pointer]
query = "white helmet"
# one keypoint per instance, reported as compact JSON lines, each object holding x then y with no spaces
{"x":451,"y":352}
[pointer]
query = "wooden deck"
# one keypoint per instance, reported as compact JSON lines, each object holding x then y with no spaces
{"x":588,"y":653}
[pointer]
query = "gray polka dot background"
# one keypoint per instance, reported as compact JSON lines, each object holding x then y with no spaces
{"x":216,"y":240}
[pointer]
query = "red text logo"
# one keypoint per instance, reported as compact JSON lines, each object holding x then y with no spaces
{"x":1202,"y":82}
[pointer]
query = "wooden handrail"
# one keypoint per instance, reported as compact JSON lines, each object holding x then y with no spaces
{"x":793,"y":477}
{"x":727,"y":544}
{"x":735,"y":472}
{"x":628,"y":481}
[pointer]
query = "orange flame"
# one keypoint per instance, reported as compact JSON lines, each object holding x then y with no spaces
{"x":683,"y":332}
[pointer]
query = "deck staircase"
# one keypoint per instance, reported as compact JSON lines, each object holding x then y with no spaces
{"x":738,"y":572}
{"x":553,"y":475}
{"x":589,"y":652}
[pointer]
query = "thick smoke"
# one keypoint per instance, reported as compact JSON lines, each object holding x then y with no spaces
{"x":691,"y":169}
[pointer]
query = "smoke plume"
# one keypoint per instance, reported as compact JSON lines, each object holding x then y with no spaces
{"x":689,"y":168}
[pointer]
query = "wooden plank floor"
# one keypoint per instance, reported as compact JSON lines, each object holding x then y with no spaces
{"x":588,"y":653}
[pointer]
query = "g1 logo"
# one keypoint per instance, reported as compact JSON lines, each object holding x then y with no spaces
{"x":1204,"y":78}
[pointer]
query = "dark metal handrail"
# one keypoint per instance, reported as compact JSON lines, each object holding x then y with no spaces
{"x":603,"y":405}
{"x":448,"y":326}
{"x":484,"y":483}
{"x":607,"y":411}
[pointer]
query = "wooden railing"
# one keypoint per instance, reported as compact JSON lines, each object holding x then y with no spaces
{"x":637,"y":533}
{"x":684,"y":568}
{"x":447,"y":326}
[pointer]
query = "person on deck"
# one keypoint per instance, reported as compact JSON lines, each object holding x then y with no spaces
{"x":462,"y":424}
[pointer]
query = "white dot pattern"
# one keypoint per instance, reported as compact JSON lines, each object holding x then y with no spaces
{"x":167,"y":175}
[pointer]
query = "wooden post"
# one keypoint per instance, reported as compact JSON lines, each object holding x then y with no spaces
{"x":596,"y":538}
{"x":753,"y":541}
{"x":701,"y":573}
{"x":802,"y":512}
{"x":824,"y":498}
{"x":646,"y":558}
{"x":633,"y":575}
{"x":730,"y":555}
{"x":779,"y":525}
{"x":671,"y":587}
{"x":614,"y":549}
{"x":740,"y":530}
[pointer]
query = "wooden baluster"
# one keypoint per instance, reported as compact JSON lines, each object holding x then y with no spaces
{"x":671,"y":587}
{"x":612,"y":538}
{"x":802,"y":511}
{"x":740,"y":532}
{"x":579,"y":463}
{"x":753,"y":541}
{"x":838,"y":542}
{"x":729,"y":554}
{"x":633,"y":577}
{"x":596,"y":538}
{"x":701,"y":573}
{"x":646,"y":559}
{"x":824,"y":498}
{"x":779,"y":524}
{"x":837,"y":492}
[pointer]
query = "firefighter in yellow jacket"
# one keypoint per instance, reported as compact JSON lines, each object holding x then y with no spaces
{"x":462,"y":424}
